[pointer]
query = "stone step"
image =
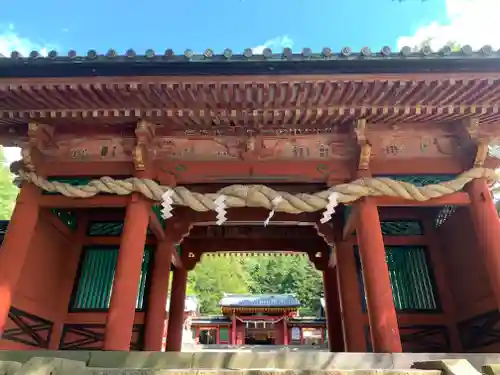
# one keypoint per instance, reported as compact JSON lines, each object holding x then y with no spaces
{"x":152,"y":364}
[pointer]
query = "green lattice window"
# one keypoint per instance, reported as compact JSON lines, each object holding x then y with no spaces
{"x":401,"y":228}
{"x":74,"y":181}
{"x":422,"y":179}
{"x":106,"y":229}
{"x":412,"y":281}
{"x":95,"y":282}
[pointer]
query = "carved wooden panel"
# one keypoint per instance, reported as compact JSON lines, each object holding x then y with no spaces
{"x":412,"y":143}
{"x":252,"y":148}
{"x":28,"y":329}
{"x":405,"y":141}
{"x":91,"y":336}
{"x":70,"y":148}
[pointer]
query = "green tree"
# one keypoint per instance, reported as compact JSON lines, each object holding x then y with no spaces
{"x":294,"y":275}
{"x":453,"y":44}
{"x":8,"y":191}
{"x":213,"y":277}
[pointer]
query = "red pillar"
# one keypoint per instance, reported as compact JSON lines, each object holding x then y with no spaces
{"x":233,"y":329}
{"x":176,"y":313}
{"x":16,"y":245}
{"x":157,"y":297}
{"x":487,"y":226}
{"x":332,"y":307}
{"x":120,"y":319}
{"x":285,"y":331}
{"x":350,"y":299}
{"x":380,"y":303}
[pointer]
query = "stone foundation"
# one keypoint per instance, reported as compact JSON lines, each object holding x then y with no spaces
{"x":234,"y":363}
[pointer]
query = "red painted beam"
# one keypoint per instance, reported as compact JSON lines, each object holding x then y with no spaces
{"x":209,"y":245}
{"x":455,"y":199}
{"x":60,"y":201}
{"x":269,"y":171}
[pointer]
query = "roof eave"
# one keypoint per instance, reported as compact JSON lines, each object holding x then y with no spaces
{"x":26,"y":68}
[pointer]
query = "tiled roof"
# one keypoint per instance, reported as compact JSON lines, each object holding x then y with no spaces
{"x":259,"y":300}
{"x":307,"y":320}
{"x":248,"y":54}
{"x":210,"y":320}
{"x":93,"y":63}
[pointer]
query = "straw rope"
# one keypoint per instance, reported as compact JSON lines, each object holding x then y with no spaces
{"x":263,"y":196}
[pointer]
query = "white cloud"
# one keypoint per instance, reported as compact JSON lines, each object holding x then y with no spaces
{"x":276,"y":44}
{"x":473,"y":22}
{"x":10,"y":40}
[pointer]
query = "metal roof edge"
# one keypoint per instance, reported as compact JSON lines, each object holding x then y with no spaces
{"x":25,"y":68}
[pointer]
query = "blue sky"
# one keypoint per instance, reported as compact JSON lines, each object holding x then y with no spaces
{"x":27,"y":25}
{"x":238,"y":24}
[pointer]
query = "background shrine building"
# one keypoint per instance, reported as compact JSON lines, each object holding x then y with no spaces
{"x":253,"y":319}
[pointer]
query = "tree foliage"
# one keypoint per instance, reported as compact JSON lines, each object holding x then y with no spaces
{"x":214,"y":276}
{"x":453,"y":44}
{"x":8,"y":191}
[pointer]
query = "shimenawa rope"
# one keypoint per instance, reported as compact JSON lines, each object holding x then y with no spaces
{"x":261,"y":195}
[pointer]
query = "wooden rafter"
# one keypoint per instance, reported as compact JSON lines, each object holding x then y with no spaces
{"x":273,"y":101}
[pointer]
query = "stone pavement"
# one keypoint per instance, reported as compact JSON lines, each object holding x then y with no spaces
{"x":281,"y":362}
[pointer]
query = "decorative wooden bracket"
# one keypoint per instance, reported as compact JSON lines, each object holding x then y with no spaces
{"x":142,"y":153}
{"x":365,"y":148}
{"x":191,"y":259}
{"x":40,"y":137}
{"x":177,"y":230}
{"x":326,"y":232}
{"x":472,"y":128}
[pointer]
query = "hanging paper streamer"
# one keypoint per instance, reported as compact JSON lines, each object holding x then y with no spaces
{"x":220,"y":208}
{"x":275,"y":202}
{"x":330,"y":208}
{"x":166,"y":211}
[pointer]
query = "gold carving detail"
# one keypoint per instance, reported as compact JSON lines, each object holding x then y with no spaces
{"x":142,"y":154}
{"x":365,"y":147}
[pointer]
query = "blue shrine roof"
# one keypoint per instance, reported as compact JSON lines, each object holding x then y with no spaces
{"x":259,"y":300}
